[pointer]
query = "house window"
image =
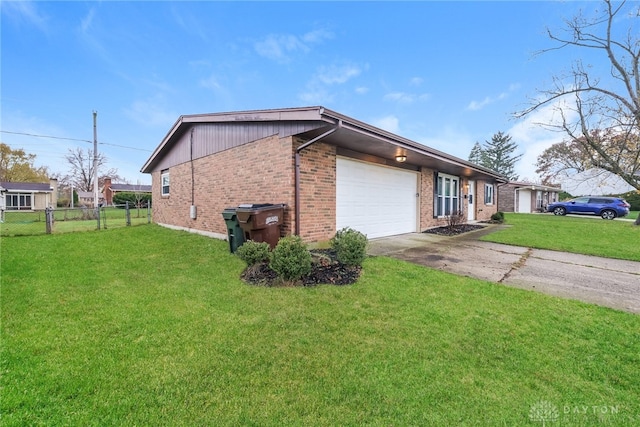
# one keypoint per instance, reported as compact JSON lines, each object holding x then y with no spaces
{"x":447,"y":195}
{"x":488,"y":194}
{"x":165,"y":182}
{"x":18,"y":201}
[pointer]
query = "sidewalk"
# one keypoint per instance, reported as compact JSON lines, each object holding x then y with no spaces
{"x":604,"y":281}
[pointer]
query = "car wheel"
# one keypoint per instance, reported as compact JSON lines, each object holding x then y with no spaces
{"x":608,"y":214}
{"x":559,"y":211}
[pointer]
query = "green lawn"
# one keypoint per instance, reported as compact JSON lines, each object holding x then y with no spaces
{"x":583,"y":235}
{"x":150,"y":326}
{"x":27,"y":223}
{"x":633,"y":215}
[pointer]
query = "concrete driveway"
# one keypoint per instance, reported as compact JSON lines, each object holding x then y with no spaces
{"x":607,"y":282}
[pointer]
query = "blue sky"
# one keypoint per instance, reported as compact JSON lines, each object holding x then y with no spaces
{"x":445,"y":74}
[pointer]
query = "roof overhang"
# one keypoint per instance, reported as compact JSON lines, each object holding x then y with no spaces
{"x":350,"y":134}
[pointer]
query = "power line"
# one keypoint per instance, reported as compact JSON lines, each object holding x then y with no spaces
{"x":73,"y":139}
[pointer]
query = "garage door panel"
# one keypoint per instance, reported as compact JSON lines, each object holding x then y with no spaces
{"x":376,"y":200}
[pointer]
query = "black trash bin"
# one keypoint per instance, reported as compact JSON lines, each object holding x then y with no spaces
{"x":235,"y":234}
{"x":261,"y":222}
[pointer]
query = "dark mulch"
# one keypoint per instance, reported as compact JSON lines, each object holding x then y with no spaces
{"x":325,"y":269}
{"x":455,"y":230}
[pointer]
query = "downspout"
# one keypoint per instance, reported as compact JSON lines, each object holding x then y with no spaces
{"x":297,"y":171}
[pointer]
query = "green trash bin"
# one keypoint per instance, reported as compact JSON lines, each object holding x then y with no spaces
{"x":235,"y":234}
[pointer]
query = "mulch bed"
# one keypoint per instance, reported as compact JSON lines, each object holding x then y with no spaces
{"x":454,"y":230}
{"x":325,"y":269}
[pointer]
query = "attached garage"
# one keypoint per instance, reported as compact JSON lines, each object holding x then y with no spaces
{"x":376,"y":200}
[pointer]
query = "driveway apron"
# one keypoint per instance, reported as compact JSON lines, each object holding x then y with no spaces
{"x":607,"y":282}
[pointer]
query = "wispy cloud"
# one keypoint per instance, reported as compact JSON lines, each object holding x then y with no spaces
{"x":24,"y":12}
{"x":406,"y":98}
{"x":317,"y":89}
{"x":281,"y":47}
{"x":212,"y":82}
{"x":479,"y":105}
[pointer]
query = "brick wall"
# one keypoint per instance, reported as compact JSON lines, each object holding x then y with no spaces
{"x":257,"y":172}
{"x":317,"y":192}
{"x":506,"y":198}
{"x":484,"y":211}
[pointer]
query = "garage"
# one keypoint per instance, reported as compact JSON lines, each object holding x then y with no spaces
{"x":376,"y":200}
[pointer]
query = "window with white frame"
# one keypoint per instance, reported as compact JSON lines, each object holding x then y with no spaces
{"x":164,"y":179}
{"x":488,"y":194}
{"x":447,"y":200}
{"x":18,"y":201}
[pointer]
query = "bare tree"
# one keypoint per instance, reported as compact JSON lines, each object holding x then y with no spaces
{"x":601,"y":112}
{"x":81,"y":164}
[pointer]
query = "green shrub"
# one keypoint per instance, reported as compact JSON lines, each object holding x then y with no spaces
{"x":350,"y":246}
{"x":290,"y":258}
{"x":633,"y":197}
{"x":253,"y":252}
{"x":143,"y":199}
{"x":498,"y":217}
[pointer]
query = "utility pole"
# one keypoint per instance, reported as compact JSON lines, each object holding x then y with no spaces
{"x":95,"y":167}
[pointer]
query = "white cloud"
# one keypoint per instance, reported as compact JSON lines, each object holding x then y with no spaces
{"x":406,"y":98}
{"x":280,"y":47}
{"x":533,"y":138}
{"x":337,"y":74}
{"x":361,"y":90}
{"x":416,"y":81}
{"x":479,"y":105}
{"x":388,"y":123}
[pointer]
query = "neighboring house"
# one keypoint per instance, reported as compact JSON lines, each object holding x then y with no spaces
{"x":524,"y":197}
{"x":331,"y":171}
{"x":595,"y":182}
{"x":28,"y":196}
{"x":109,"y":190}
{"x":85,"y":198}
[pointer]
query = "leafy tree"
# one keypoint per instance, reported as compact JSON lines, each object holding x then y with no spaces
{"x":81,"y":175}
{"x":475,"y":156}
{"x":497,"y":155}
{"x":599,"y":107}
{"x":17,"y":166}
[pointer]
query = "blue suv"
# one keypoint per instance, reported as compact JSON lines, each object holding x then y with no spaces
{"x":605,"y":207}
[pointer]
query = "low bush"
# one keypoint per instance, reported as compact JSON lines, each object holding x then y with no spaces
{"x":498,"y":217}
{"x":253,"y":252}
{"x":350,"y":246}
{"x":290,"y":258}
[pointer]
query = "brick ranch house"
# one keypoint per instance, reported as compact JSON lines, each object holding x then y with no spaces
{"x":330,"y":170}
{"x":525,"y":197}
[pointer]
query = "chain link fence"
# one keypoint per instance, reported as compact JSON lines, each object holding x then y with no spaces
{"x":62,"y":220}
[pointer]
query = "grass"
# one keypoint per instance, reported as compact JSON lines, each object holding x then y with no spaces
{"x":28,"y":223}
{"x":149,"y":326}
{"x":583,"y":235}
{"x":632,"y":215}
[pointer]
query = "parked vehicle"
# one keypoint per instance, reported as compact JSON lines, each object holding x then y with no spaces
{"x":605,"y":207}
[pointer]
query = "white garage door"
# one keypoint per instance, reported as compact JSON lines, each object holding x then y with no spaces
{"x":375,"y":200}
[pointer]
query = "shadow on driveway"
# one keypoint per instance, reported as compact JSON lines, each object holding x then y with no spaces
{"x":604,"y":281}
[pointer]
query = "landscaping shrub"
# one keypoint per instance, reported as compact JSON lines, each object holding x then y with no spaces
{"x":498,"y":217}
{"x":290,"y":258}
{"x":633,"y":197}
{"x":253,"y":252}
{"x":350,"y":246}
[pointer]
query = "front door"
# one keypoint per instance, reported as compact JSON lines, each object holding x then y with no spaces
{"x":471,"y":210}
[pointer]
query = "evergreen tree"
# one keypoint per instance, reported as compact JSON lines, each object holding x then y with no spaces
{"x":497,"y":155}
{"x":476,"y":154}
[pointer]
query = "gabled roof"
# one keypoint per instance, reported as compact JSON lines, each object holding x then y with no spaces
{"x":533,"y":186}
{"x":131,"y":187}
{"x":35,"y":187}
{"x":349,"y":134}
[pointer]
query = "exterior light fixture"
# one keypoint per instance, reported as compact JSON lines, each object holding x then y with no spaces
{"x":401,"y":158}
